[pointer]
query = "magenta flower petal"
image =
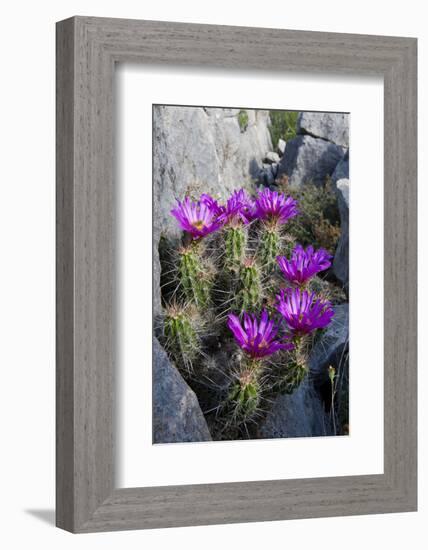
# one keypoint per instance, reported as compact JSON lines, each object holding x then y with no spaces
{"x":238,"y":332}
{"x":239,"y":208}
{"x":257,"y":337}
{"x":212,"y":204}
{"x":303,"y":311}
{"x":271,"y":205}
{"x":304,"y":264}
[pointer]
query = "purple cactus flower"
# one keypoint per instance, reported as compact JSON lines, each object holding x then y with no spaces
{"x":271,"y":205}
{"x":304,"y":264}
{"x":257,"y":337}
{"x":240,"y":208}
{"x":303,"y":311}
{"x":212,"y":204}
{"x":197,"y":218}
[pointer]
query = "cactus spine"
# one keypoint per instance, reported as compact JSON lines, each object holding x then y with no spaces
{"x":181,"y":337}
{"x":270,"y":246}
{"x":235,"y":241}
{"x":297,"y":368}
{"x":249,"y":296}
{"x":245,"y":395}
{"x":194,"y":277}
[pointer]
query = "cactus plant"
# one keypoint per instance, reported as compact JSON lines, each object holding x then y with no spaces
{"x":225,"y":268}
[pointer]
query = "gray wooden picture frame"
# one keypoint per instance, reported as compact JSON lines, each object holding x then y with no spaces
{"x":87,"y":50}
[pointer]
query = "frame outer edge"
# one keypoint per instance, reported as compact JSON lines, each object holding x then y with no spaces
{"x":94,"y":274}
{"x":65,"y":57}
{"x":401,"y":263}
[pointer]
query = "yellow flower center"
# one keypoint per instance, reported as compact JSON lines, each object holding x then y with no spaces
{"x":199,"y":224}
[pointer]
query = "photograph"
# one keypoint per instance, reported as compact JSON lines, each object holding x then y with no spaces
{"x":250,"y":273}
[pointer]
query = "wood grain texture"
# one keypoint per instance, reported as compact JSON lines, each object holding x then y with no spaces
{"x":64,"y":277}
{"x":87,"y":50}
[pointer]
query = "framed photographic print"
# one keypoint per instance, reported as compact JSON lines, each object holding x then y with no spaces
{"x":236,"y":274}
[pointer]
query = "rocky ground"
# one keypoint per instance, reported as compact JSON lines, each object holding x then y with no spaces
{"x":216,"y":151}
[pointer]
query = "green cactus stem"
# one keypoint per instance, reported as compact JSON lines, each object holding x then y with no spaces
{"x":194,"y":277}
{"x":181,"y":338}
{"x":249,"y":295}
{"x":235,"y":241}
{"x":297,"y":368}
{"x":270,"y":246}
{"x":293,"y":377}
{"x":245,"y":395}
{"x":287,"y":245}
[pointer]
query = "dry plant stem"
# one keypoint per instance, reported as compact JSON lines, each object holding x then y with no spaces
{"x":332,"y":376}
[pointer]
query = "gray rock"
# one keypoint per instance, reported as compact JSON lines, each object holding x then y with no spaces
{"x":218,"y":112}
{"x":267,"y":174}
{"x":333,"y":127}
{"x":330,"y":348}
{"x":341,"y":257}
{"x":271,"y":158}
{"x":342,"y":169}
{"x":177,"y":416}
{"x":308,"y":159}
{"x":274,"y":167}
{"x":300,"y":414}
{"x":281,"y":147}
